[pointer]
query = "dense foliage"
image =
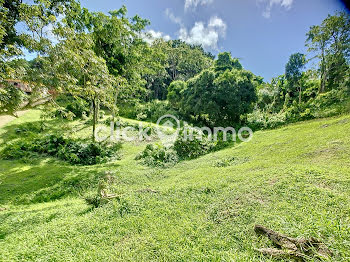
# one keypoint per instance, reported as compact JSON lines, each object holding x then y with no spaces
{"x":158,"y":156}
{"x":174,"y":60}
{"x":11,"y":99}
{"x":191,"y":143}
{"x":301,"y":95}
{"x":217,"y":96}
{"x":107,"y":60}
{"x":72,"y":151}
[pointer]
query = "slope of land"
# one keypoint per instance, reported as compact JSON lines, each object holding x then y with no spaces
{"x":295,"y":180}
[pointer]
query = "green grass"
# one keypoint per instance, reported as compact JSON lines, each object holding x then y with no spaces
{"x":295,"y":180}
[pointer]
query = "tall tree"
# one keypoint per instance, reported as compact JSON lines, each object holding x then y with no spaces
{"x":331,"y":43}
{"x":226,"y":62}
{"x":117,"y":40}
{"x":221,"y":96}
{"x":294,"y":71}
{"x":179,"y":61}
{"x":73,"y":67}
{"x":36,"y":19}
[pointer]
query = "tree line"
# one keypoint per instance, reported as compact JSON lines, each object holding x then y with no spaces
{"x":104,"y":60}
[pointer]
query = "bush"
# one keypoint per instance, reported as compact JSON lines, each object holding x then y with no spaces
{"x":199,"y":144}
{"x":72,"y":151}
{"x":183,"y":149}
{"x":76,"y":105}
{"x":21,"y":149}
{"x":325,"y":100}
{"x":328,"y":104}
{"x":150,"y":111}
{"x":31,"y":127}
{"x":263,"y":120}
{"x":193,"y":147}
{"x":158,"y":156}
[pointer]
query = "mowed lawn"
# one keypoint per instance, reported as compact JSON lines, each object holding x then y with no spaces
{"x":295,"y":180}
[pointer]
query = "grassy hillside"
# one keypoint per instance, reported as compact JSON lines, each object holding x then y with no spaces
{"x":295,"y":180}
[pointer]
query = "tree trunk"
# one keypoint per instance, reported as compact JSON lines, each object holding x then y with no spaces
{"x":323,"y":72}
{"x":299,"y":95}
{"x":94,"y":119}
{"x":115,"y":104}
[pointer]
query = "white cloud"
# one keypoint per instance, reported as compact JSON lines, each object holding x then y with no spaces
{"x":151,"y":35}
{"x":192,"y":4}
{"x":207,"y":36}
{"x":49,"y":34}
{"x":172,"y":17}
{"x":287,"y":4}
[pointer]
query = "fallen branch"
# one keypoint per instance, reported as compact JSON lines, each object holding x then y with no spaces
{"x":297,"y":248}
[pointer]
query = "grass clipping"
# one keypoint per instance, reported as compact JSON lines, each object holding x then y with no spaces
{"x":301,"y":249}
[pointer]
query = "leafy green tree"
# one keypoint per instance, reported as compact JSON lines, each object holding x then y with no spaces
{"x":73,"y":67}
{"x":226,"y":62}
{"x":154,"y":72}
{"x":187,"y":60}
{"x":11,"y":99}
{"x":271,"y":96}
{"x":221,"y":97}
{"x":294,"y":71}
{"x":117,"y":40}
{"x":36,"y":18}
{"x":175,"y":92}
{"x":331,"y":42}
{"x":179,"y":61}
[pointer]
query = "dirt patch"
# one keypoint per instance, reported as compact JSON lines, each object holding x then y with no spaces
{"x":344,"y":121}
{"x":325,"y":153}
{"x":273,"y":181}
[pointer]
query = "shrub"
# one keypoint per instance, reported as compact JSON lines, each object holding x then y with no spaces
{"x":158,"y":156}
{"x":193,"y":147}
{"x":221,"y":144}
{"x":154,"y":110}
{"x":72,"y":151}
{"x":199,"y":144}
{"x":325,"y":100}
{"x":328,"y":104}
{"x":263,"y":120}
{"x":31,"y":127}
{"x":76,"y":105}
{"x":18,"y":150}
{"x":190,"y":148}
{"x":150,"y":111}
{"x":175,"y":93}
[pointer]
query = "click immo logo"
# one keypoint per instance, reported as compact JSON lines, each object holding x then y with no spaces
{"x":168,"y":129}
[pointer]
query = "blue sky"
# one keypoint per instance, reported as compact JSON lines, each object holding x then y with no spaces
{"x":262,"y":33}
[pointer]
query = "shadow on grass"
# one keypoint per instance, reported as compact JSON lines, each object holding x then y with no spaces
{"x":33,"y":217}
{"x":15,"y":131}
{"x":22,"y":183}
{"x":18,"y":179}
